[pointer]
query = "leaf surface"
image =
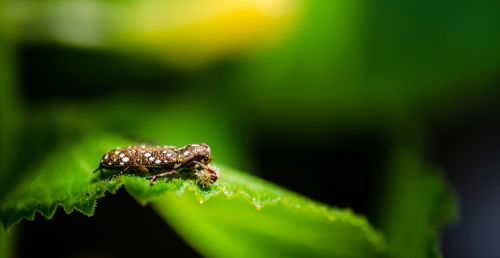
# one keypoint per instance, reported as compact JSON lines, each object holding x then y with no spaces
{"x":244,"y":216}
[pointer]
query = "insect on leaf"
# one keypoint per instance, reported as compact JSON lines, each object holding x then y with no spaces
{"x":228,"y":219}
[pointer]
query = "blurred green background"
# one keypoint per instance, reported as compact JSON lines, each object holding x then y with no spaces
{"x":347,"y":102}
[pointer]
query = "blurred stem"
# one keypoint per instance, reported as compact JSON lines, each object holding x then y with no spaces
{"x":9,"y":119}
{"x":9,"y":102}
{"x":414,"y":199}
{"x":416,"y":202}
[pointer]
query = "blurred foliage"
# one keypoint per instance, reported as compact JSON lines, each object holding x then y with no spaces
{"x":416,"y":201}
{"x":375,"y":63}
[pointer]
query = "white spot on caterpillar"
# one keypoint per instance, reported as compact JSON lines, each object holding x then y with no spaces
{"x":105,"y":157}
{"x":102,"y":161}
{"x":158,"y":161}
{"x":116,"y":152}
{"x":121,"y":163}
{"x":122,"y":155}
{"x":142,"y":151}
{"x":169,"y":155}
{"x":110,"y":163}
{"x":186,"y":153}
{"x":165,"y":161}
{"x":164,"y":151}
{"x":143,"y":146}
{"x":125,"y":159}
{"x":151,"y":159}
{"x":147,"y":154}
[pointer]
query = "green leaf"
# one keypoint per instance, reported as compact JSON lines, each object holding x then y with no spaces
{"x":243,"y":216}
{"x":64,"y":178}
{"x":418,"y":202}
{"x":227,"y":219}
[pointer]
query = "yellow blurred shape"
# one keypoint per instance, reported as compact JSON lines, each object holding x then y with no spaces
{"x":184,"y":33}
{"x":192,"y":33}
